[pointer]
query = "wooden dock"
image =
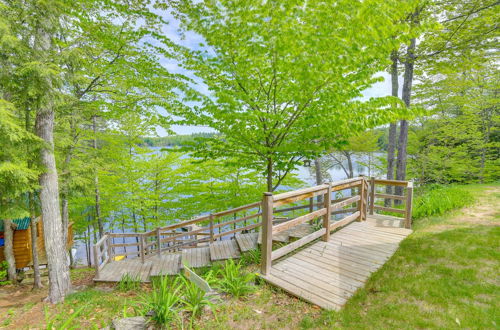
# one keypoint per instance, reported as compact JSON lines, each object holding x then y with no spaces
{"x":311,"y":255}
{"x":328,"y":273}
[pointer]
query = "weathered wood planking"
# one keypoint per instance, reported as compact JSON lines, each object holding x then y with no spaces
{"x":329,"y":273}
{"x":226,"y":249}
{"x":247,"y":242}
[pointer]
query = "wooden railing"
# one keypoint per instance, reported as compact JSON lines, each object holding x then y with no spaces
{"x":325,"y":211}
{"x":407,"y":198}
{"x":247,"y":218}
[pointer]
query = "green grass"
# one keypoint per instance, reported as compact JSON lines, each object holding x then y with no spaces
{"x":444,"y":275}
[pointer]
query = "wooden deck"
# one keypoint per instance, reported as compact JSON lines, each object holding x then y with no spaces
{"x":328,"y":273}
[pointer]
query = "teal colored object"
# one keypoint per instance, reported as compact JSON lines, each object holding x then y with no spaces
{"x":22,"y":224}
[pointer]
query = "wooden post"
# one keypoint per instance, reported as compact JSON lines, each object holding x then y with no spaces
{"x":211,"y":227}
{"x":96,"y":261}
{"x":372,"y":194}
{"x":409,"y":204}
{"x":361,"y":206}
{"x":109,"y":241}
{"x":311,"y":208}
{"x":267,"y":233}
{"x":142,"y":247}
{"x":158,"y":241}
{"x":327,"y":204}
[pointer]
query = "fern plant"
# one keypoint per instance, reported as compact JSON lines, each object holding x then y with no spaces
{"x":234,"y":281}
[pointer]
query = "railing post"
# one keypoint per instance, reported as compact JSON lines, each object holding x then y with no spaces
{"x":211,"y":227}
{"x":361,"y":206}
{"x":142,"y":247}
{"x":96,"y":261}
{"x":267,"y":233}
{"x":327,"y":204}
{"x":372,"y":194}
{"x":158,"y":240}
{"x":409,"y":202}
{"x":109,"y":241}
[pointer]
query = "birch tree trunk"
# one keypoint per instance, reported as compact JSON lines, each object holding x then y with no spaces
{"x":391,"y":147}
{"x":9,"y":227}
{"x":403,"y":130}
{"x":57,"y":259}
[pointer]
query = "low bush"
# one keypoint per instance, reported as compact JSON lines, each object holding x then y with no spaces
{"x":437,"y":199}
{"x":234,"y":281}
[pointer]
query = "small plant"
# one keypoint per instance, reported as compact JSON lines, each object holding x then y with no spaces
{"x":3,"y":273}
{"x":50,"y":323}
{"x":194,"y":298}
{"x":162,"y":301}
{"x":234,"y":281}
{"x":251,"y":257}
{"x":128,"y":283}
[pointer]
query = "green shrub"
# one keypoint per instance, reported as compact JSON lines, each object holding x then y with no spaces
{"x":234,"y":281}
{"x":436,"y":200}
{"x":162,"y":302}
{"x":3,"y":273}
{"x":128,"y":283}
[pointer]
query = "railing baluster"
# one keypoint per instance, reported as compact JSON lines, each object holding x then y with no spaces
{"x":409,"y":204}
{"x":372,"y":194}
{"x":141,"y":237}
{"x":267,"y":232}
{"x":327,"y":202}
{"x":211,"y":227}
{"x":158,"y":240}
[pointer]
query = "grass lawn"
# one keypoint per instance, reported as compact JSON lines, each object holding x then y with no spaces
{"x":444,"y":275}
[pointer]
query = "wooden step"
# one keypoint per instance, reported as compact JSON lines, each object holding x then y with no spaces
{"x":247,"y":242}
{"x":225,"y":249}
{"x":196,"y":257}
{"x":301,"y":230}
{"x":282,"y":237}
{"x":166,"y":264}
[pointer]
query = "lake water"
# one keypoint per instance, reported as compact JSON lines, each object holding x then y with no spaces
{"x":304,"y":173}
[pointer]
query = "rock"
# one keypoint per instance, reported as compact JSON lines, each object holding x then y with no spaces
{"x":130,"y":323}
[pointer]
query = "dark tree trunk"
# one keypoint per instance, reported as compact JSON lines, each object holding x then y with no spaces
{"x":350,"y":165}
{"x":319,"y":177}
{"x":391,"y":147}
{"x":9,"y":227}
{"x":37,"y":281}
{"x":57,"y":259}
{"x":403,"y":131}
{"x":96,"y":182}
{"x":269,"y":175}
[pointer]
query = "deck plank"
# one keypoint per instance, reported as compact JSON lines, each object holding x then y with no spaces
{"x":329,"y":273}
{"x":247,"y":241}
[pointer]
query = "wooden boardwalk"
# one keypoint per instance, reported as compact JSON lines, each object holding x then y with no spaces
{"x":328,"y":273}
{"x":312,"y":255}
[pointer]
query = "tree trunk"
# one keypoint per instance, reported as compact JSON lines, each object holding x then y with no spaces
{"x":57,"y":259}
{"x":9,"y":227}
{"x":350,"y":165}
{"x":37,"y":281}
{"x":403,"y":131}
{"x":96,"y":182}
{"x":391,"y":147}
{"x":269,"y":175}
{"x":319,"y":177}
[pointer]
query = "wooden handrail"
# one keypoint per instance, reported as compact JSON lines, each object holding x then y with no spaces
{"x":408,"y":197}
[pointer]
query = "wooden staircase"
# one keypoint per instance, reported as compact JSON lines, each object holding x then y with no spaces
{"x":197,"y":257}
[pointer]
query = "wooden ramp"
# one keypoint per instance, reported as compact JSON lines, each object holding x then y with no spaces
{"x":328,"y":273}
